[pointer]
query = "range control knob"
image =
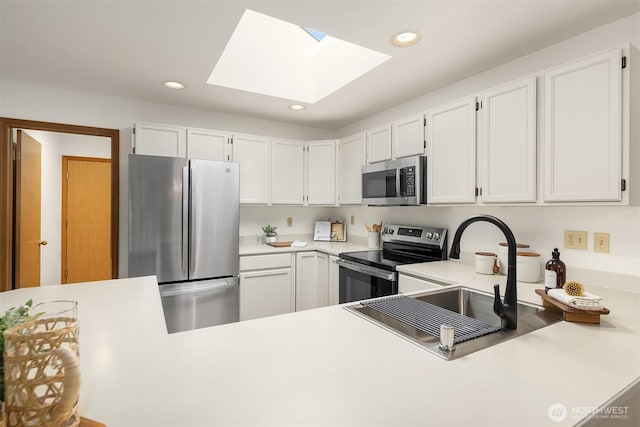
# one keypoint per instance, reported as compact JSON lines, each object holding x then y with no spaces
{"x":429,"y":235}
{"x":391,"y":231}
{"x":436,"y":236}
{"x":385,"y":230}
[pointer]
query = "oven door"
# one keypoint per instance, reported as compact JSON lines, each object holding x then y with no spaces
{"x":359,"y":282}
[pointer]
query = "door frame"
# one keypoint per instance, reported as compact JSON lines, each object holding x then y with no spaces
{"x":7,"y":234}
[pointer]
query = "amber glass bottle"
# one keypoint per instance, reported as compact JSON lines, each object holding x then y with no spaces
{"x":555,"y":272}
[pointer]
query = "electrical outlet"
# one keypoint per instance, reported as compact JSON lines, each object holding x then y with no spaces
{"x":575,"y":239}
{"x":353,"y":220}
{"x":601,"y":242}
{"x":289,"y":221}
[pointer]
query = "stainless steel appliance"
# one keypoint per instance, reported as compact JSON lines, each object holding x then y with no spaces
{"x":184,"y":229}
{"x":371,"y":274}
{"x":395,"y":182}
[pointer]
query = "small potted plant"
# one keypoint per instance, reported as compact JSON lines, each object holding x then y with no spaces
{"x":270,"y":233}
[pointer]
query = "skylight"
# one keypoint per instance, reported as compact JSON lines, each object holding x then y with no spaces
{"x":273,"y":57}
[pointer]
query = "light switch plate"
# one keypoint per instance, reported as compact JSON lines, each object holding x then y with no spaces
{"x":601,"y":242}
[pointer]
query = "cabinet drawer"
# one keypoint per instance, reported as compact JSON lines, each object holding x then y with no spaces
{"x":261,"y":262}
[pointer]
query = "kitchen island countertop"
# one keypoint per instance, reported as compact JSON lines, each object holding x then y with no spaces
{"x":329,"y":367}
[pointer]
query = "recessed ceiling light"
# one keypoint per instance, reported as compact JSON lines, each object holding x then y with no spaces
{"x":296,"y":107}
{"x":406,"y":38}
{"x":173,"y":85}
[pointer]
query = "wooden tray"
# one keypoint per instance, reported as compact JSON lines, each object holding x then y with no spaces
{"x":571,"y":314}
{"x":86,"y":422}
{"x":280,"y":244}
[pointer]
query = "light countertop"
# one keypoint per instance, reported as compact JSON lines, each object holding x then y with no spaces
{"x":330,"y":367}
{"x":331,"y":248}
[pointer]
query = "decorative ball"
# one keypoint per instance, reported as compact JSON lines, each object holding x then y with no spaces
{"x":574,"y":288}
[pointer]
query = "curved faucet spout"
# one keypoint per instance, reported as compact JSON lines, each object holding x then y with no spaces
{"x":508,"y":311}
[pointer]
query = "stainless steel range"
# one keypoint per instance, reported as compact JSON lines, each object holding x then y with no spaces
{"x":371,"y":274}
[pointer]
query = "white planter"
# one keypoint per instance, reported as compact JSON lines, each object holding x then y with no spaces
{"x":270,"y":239}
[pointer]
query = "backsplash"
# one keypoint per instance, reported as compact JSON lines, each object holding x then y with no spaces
{"x":540,"y":227}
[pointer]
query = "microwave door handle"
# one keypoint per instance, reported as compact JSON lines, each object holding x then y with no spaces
{"x":398,"y":187}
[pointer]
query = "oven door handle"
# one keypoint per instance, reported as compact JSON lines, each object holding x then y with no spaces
{"x":365,"y":269}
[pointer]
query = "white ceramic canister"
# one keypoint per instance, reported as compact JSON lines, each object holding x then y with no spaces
{"x":485,"y":262}
{"x":528,"y":267}
{"x":503,"y":254}
{"x":373,"y":240}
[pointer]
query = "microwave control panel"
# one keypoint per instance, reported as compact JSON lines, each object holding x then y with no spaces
{"x":409,"y":178}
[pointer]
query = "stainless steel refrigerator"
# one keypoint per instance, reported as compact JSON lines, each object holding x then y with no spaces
{"x":183,"y":228}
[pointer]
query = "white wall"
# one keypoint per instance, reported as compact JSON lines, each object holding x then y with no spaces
{"x":54,"y":146}
{"x":31,"y":102}
{"x":252,"y":218}
{"x":542,"y":227}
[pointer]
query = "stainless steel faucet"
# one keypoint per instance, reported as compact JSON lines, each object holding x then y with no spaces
{"x":507,"y":311}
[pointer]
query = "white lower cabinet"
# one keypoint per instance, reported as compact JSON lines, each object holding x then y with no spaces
{"x":334,"y":280}
{"x":267,"y":285}
{"x":408,"y":284}
{"x":312,"y":270}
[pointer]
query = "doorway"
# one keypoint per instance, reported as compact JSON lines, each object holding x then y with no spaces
{"x":9,"y":230}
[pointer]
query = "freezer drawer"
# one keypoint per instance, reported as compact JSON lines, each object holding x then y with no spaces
{"x":200,"y":304}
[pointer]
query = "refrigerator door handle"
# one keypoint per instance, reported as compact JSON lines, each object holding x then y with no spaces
{"x":193,"y":233}
{"x":214,"y":287}
{"x":185,"y":218}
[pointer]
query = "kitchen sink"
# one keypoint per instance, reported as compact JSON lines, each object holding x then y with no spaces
{"x":467,"y":302}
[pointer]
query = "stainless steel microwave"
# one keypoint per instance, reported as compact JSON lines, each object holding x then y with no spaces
{"x":395,"y":182}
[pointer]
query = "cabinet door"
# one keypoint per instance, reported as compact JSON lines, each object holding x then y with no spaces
{"x":287,"y":172}
{"x":582,"y":147}
{"x":451,"y":158}
{"x":352,"y":158}
{"x":379,"y":144}
{"x":408,"y":136}
{"x":509,"y":143}
{"x":159,"y":140}
{"x":208,"y":145}
{"x":312,"y":271}
{"x":254,"y":154}
{"x":321,"y":173}
{"x":334,"y":280}
{"x":266,"y":293}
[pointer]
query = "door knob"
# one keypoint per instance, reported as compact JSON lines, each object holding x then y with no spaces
{"x":43,"y":243}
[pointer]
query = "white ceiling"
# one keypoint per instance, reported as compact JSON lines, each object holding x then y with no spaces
{"x":127,"y":48}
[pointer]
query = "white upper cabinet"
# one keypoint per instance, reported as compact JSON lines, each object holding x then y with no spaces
{"x":208,"y":145}
{"x":408,"y":136}
{"x":352,"y":158}
{"x":379,"y":144}
{"x":451,"y":153}
{"x":287,"y":172}
{"x":159,"y":140}
{"x":582,"y":148}
{"x":508,"y":165}
{"x":321,"y":173}
{"x":254,"y":155}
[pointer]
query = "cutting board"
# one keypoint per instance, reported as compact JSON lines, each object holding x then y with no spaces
{"x":571,"y":314}
{"x":280,"y":244}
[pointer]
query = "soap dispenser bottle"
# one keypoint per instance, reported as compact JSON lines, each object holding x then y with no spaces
{"x":555,"y":272}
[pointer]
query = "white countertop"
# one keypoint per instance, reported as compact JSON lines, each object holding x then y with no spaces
{"x":330,"y":367}
{"x":331,"y":248}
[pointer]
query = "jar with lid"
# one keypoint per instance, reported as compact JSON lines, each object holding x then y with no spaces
{"x":503,"y":255}
{"x":555,"y":272}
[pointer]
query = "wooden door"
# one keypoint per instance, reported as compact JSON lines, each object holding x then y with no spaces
{"x":379,"y":144}
{"x":352,"y":158}
{"x":253,"y":153}
{"x":86,"y":221}
{"x":28,"y":175}
{"x":407,"y":136}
